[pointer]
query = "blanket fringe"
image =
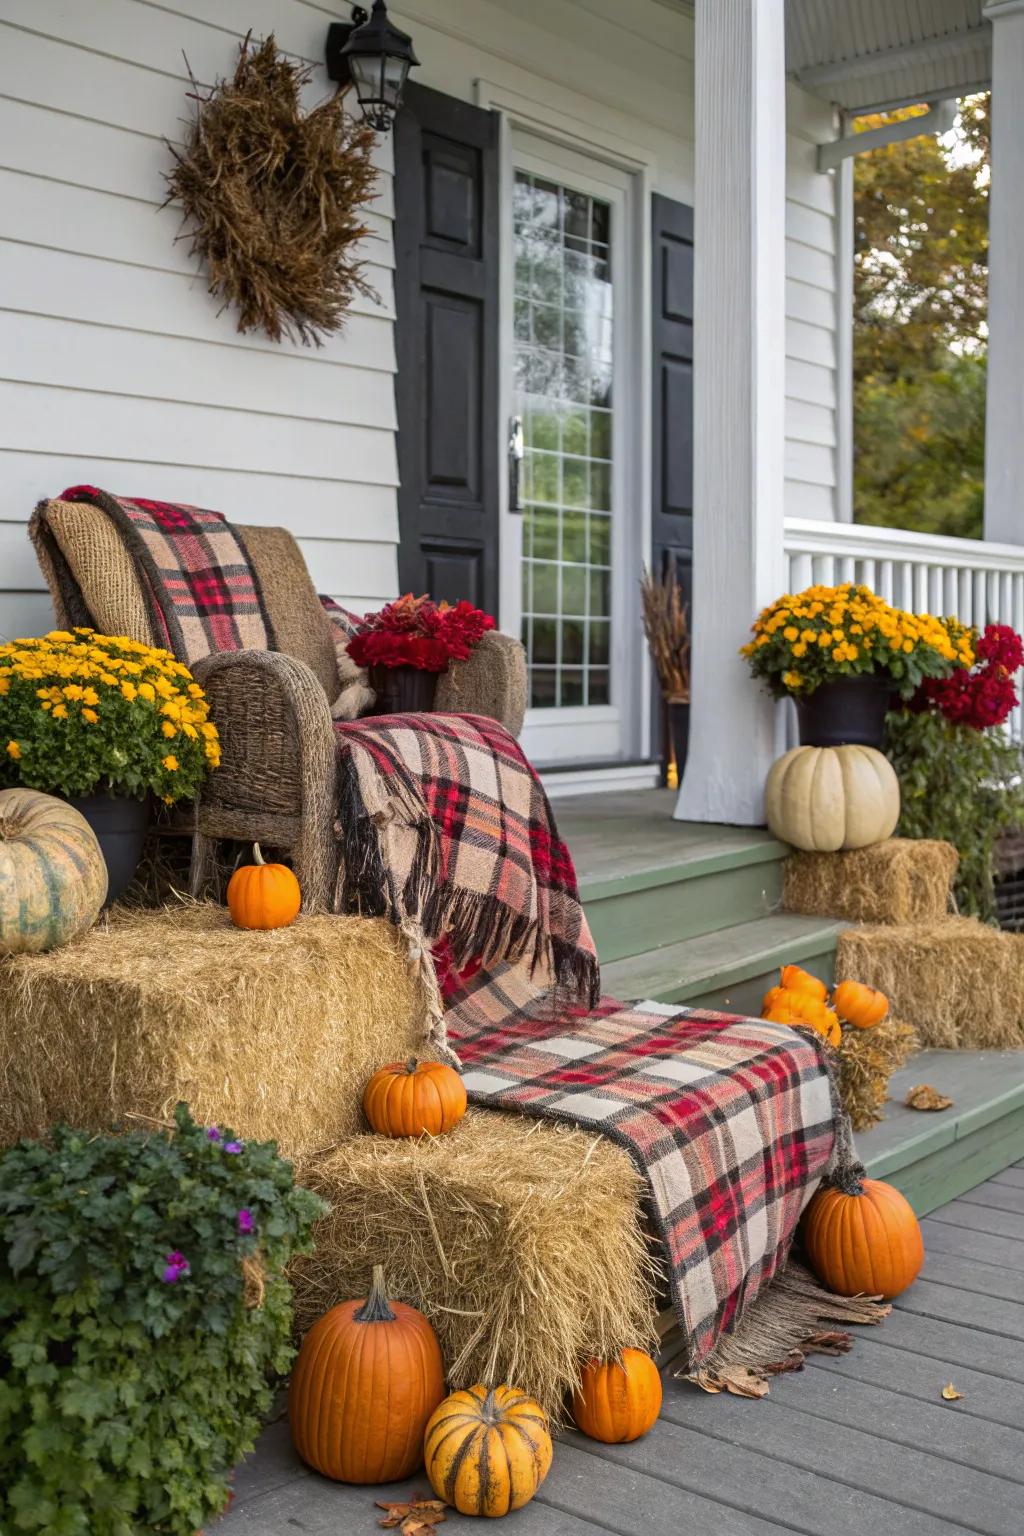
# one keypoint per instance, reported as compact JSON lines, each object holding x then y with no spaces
{"x":787,"y":1322}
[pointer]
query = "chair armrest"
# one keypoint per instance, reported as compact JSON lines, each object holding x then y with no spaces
{"x":492,"y":682}
{"x":277,"y":774}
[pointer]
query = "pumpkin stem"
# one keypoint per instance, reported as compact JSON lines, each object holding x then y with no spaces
{"x":489,"y":1407}
{"x":411,"y":1065}
{"x":257,"y":856}
{"x":376,"y":1308}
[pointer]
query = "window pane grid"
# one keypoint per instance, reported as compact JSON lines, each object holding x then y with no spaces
{"x":563,"y":358}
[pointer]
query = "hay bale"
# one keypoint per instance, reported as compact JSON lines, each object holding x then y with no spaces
{"x":272,"y":1033}
{"x":867,"y":1060}
{"x":903,"y":880}
{"x":957,"y":981}
{"x":508,"y":1230}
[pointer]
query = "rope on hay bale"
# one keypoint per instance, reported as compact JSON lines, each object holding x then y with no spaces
{"x":274,"y":1034}
{"x":508,"y":1232}
{"x":866,"y":1060}
{"x":903,"y":880}
{"x":959,"y":983}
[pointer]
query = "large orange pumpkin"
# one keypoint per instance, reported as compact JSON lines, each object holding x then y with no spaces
{"x":262,"y":895}
{"x":487,"y":1450}
{"x":368,"y":1377}
{"x":861,"y":1006}
{"x":406,"y":1099}
{"x":618,"y":1400}
{"x":863,"y":1241}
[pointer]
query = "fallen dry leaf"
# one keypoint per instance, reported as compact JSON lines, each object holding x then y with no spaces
{"x":415,"y":1517}
{"x":950,"y":1393}
{"x":924,"y":1096}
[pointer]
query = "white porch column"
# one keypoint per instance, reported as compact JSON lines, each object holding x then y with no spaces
{"x":739,"y":395}
{"x":1004,"y":412}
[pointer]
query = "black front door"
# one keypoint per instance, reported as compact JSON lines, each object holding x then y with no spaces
{"x":447,"y":256}
{"x":672,"y":317}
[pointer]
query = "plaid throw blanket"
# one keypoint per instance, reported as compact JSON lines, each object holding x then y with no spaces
{"x":730,"y":1120}
{"x":201,"y":591}
{"x":442,"y":820}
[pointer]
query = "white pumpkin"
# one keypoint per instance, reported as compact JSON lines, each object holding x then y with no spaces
{"x":53,"y":877}
{"x":825,"y":798}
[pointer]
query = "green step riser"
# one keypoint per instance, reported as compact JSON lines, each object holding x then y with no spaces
{"x":952,"y":1170}
{"x":639,"y":921}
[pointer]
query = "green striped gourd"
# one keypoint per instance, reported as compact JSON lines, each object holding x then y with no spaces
{"x":53,"y":877}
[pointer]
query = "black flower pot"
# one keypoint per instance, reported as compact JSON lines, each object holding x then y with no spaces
{"x":849,"y":711}
{"x":403,"y":690}
{"x":120,"y":825}
{"x":677,"y":743}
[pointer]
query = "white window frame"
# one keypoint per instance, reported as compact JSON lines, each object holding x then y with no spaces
{"x":537,"y":138}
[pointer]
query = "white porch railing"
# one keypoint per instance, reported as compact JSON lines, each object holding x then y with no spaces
{"x":922,"y":572}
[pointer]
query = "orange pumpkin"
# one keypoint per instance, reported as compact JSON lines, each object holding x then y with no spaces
{"x":861,"y":1006}
{"x":618,"y":1400}
{"x":784,"y":1007}
{"x":793,"y":979}
{"x":863,"y":1241}
{"x":408,"y":1099}
{"x":368,"y":1377}
{"x":487,"y":1450}
{"x":262,"y":895}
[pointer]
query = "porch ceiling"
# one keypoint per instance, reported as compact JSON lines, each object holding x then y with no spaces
{"x":866,"y":54}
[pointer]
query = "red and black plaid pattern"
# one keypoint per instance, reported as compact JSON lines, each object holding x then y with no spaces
{"x":343,"y":621}
{"x":442,"y":816}
{"x":202,"y":592}
{"x":729,"y":1119}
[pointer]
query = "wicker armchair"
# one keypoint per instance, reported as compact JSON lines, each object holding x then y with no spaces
{"x":277,"y":779}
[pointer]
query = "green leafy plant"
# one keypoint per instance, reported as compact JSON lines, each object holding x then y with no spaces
{"x":144,"y":1312}
{"x":961,"y":785}
{"x":81,"y":711}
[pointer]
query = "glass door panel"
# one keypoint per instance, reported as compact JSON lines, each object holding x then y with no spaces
{"x":564,"y":318}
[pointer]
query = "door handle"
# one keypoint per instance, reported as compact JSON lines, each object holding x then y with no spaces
{"x":515,"y":462}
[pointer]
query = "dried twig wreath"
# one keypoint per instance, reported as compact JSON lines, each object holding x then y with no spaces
{"x":273,"y":196}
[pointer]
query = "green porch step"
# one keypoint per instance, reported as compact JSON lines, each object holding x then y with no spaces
{"x":729,"y":968}
{"x":648,"y":881}
{"x":933,"y":1157}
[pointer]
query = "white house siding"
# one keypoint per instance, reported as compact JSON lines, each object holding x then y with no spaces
{"x":813,"y":394}
{"x":115,"y":366}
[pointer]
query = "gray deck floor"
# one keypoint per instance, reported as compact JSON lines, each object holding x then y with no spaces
{"x":863,"y":1445}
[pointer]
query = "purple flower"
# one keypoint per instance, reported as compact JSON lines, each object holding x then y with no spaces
{"x":175,"y":1265}
{"x":245,"y":1221}
{"x":213,"y":1133}
{"x":232,"y":1146}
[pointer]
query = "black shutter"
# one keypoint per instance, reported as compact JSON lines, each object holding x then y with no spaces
{"x":672,"y":310}
{"x":447,"y":256}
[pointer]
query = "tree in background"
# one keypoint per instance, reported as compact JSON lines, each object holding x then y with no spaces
{"x":919,"y":326}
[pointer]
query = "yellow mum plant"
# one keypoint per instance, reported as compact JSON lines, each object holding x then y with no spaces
{"x":805,"y":639}
{"x":81,"y":711}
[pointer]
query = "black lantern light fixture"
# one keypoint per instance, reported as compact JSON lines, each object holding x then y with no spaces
{"x":373,"y":55}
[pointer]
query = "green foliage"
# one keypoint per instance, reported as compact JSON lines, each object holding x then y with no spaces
{"x":961,"y":785}
{"x":127,"y":1396}
{"x":920,"y":326}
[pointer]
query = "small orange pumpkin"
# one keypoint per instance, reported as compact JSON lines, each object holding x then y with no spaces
{"x":863,"y":1240}
{"x":860,"y":1005}
{"x":368,"y":1377}
{"x":784,"y":1007}
{"x":618,"y":1400}
{"x":262,"y":895}
{"x":793,"y":979}
{"x":408,"y":1099}
{"x":487,"y":1450}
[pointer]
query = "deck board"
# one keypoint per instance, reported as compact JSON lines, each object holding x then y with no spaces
{"x":855,"y":1443}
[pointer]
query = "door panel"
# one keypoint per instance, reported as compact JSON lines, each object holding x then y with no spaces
{"x":447,"y":254}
